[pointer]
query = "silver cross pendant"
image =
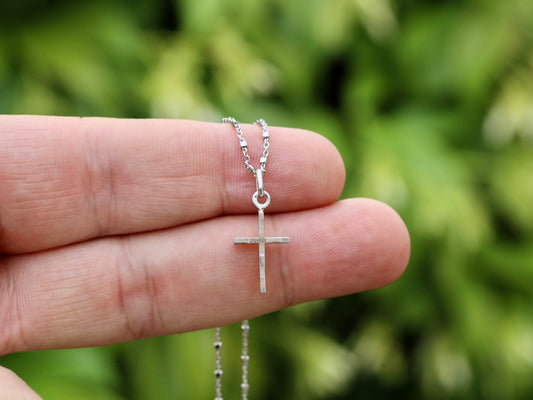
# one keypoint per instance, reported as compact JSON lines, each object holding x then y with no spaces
{"x":261,"y":240}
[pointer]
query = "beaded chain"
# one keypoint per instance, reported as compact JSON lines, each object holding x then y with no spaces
{"x":245,"y":358}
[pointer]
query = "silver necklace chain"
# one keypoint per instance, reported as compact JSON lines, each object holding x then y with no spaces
{"x":245,"y":326}
{"x":244,"y":145}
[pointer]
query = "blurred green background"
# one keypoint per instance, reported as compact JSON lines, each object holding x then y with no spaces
{"x":431,"y":106}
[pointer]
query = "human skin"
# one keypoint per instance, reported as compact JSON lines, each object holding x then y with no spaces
{"x":114,"y":230}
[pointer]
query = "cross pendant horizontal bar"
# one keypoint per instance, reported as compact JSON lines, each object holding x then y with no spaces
{"x":261,"y":240}
{"x":256,"y":240}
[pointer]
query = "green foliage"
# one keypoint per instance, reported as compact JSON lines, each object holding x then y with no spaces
{"x":431,"y":106}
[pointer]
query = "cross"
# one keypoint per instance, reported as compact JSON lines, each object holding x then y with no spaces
{"x":261,"y":240}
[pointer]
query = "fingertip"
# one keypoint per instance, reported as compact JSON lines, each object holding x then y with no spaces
{"x":392,"y":244}
{"x":14,"y":388}
{"x":348,"y":247}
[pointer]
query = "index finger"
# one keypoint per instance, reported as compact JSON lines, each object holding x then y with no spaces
{"x":64,"y":179}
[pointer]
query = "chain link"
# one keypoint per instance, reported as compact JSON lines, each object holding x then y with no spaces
{"x":218,"y":364}
{"x":245,"y":358}
{"x":244,"y":145}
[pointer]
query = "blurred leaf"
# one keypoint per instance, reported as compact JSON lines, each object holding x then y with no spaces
{"x":512,"y":186}
{"x":407,"y":162}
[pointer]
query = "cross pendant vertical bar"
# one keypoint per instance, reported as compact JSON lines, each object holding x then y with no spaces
{"x":261,"y":240}
{"x":262,"y":248}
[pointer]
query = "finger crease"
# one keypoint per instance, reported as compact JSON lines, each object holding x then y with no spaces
{"x":138,"y":300}
{"x":124,"y":266}
{"x":94,"y":169}
{"x":12,"y":335}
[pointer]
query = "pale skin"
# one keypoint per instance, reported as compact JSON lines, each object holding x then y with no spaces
{"x":114,"y":230}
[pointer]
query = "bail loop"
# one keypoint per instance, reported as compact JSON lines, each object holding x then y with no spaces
{"x":259,"y":182}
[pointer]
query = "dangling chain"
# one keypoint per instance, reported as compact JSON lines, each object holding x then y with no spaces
{"x":245,"y":327}
{"x":245,"y":358}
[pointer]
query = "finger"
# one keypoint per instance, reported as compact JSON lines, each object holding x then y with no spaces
{"x":64,"y":180}
{"x":14,"y":388}
{"x":193,"y":277}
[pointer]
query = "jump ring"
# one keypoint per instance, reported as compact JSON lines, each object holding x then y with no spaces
{"x":261,"y":206}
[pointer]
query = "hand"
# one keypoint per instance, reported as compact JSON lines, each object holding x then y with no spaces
{"x":115,"y":230}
